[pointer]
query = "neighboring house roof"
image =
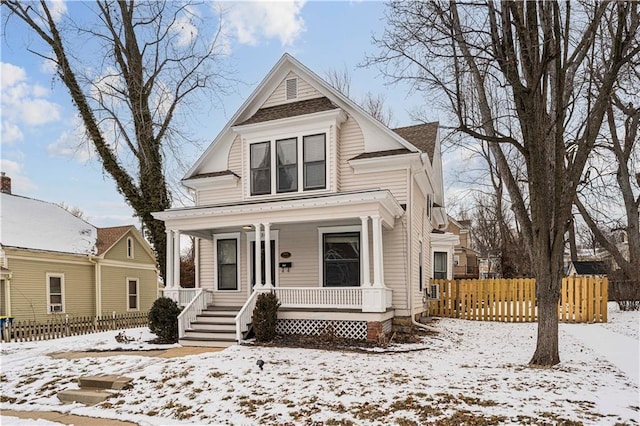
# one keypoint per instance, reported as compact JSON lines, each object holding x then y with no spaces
{"x":590,"y":267}
{"x":108,"y":237}
{"x":291,"y":109}
{"x":422,"y":136}
{"x":34,"y":224}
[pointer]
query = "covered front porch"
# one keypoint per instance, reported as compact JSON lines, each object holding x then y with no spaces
{"x":318,"y":254}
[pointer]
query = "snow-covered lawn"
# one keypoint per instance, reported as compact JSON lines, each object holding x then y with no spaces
{"x":471,"y":372}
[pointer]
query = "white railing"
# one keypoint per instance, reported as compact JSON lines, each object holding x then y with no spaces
{"x":325,"y":297}
{"x":244,"y":316}
{"x":200,"y":300}
{"x":182,"y":296}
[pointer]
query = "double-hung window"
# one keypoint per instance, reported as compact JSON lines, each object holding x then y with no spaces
{"x":287,"y":165}
{"x":314,"y":161}
{"x":260,"y":168}
{"x":133,"y":294}
{"x":440,"y":265}
{"x":55,"y":293}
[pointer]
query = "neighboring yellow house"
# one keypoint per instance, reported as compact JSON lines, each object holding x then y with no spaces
{"x":465,"y":258}
{"x":53,"y":263}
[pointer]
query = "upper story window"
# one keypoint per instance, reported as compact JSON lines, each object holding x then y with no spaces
{"x":129,"y":248}
{"x":279,"y":171}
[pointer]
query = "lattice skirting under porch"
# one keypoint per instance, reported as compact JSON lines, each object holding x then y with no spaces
{"x":347,"y":329}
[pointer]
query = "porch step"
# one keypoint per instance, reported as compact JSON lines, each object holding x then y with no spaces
{"x":214,"y":326}
{"x":215,"y":319}
{"x":206,"y":342}
{"x":94,"y":389}
{"x":84,"y":396}
{"x":219,"y":313}
{"x":208,"y":334}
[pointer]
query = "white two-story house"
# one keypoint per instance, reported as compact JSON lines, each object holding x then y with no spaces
{"x":305,"y":194}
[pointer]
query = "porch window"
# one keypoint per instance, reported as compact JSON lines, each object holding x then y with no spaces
{"x":287,"y":165}
{"x":133,"y":294}
{"x":440,"y":265}
{"x":227,"y":256}
{"x":314,"y":161}
{"x":55,"y":293}
{"x":341,"y":259}
{"x":260,"y":168}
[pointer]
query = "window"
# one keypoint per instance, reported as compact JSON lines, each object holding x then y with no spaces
{"x":133,"y":294}
{"x":130,"y":248}
{"x":55,"y":293}
{"x":429,"y":205}
{"x":292,"y":88}
{"x":314,"y":162}
{"x":440,"y":265}
{"x":227,"y":262}
{"x":287,"y":165}
{"x":260,"y":168}
{"x":341,"y":259}
{"x":420,"y":277}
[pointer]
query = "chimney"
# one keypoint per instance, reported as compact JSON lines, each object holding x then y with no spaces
{"x":5,"y":183}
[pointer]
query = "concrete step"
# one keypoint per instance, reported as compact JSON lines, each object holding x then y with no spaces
{"x":213,"y":326}
{"x":86,"y":396}
{"x":104,"y":382}
{"x":210,"y":334}
{"x":209,"y":343}
{"x":215,"y":319}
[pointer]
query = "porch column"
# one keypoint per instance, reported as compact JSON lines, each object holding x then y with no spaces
{"x":366,"y":278}
{"x":168,"y":276}
{"x":267,"y":255}
{"x":257,"y":257}
{"x":176,"y":259}
{"x":378,"y":271}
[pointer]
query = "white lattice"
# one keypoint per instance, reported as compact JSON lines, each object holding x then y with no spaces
{"x":348,"y":329}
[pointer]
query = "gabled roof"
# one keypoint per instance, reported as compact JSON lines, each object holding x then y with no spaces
{"x":108,"y":237}
{"x":422,"y":136}
{"x":291,"y":109}
{"x":590,"y":267}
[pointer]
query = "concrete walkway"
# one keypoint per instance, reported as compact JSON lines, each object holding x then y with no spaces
{"x":164,"y":353}
{"x":67,"y":419}
{"x":620,"y":350}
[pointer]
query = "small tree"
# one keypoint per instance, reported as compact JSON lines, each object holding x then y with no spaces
{"x":265,"y":315}
{"x":163,"y":320}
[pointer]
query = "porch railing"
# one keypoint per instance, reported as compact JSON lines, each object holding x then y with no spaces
{"x":244,"y":316}
{"x":182,"y":296}
{"x":200,"y":300}
{"x":314,"y":297}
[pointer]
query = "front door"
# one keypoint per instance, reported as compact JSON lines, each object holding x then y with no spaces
{"x":262,"y":263}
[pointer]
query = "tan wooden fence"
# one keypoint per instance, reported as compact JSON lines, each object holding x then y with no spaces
{"x":65,"y":326}
{"x":582,"y":299}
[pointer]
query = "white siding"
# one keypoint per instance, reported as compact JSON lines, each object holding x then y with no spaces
{"x":305,"y":91}
{"x":225,"y":195}
{"x":395,"y":262}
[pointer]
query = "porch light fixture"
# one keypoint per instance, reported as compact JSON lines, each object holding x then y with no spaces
{"x":247,"y":227}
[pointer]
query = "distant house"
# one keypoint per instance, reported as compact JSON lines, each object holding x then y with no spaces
{"x":465,"y":259}
{"x":54,"y":263}
{"x":591,"y":267}
{"x":306,"y":194}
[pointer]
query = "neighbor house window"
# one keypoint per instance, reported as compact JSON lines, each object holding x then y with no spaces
{"x":440,"y":265}
{"x":55,"y":293}
{"x":227,"y":256}
{"x":130,"y":248}
{"x":133,"y":294}
{"x":314,"y":161}
{"x":260,"y":168}
{"x":287,"y":165}
{"x":341,"y":259}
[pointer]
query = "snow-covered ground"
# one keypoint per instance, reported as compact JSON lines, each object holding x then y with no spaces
{"x":470,"y":372}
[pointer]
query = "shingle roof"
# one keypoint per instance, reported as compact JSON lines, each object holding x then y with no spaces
{"x":422,"y":136}
{"x":590,"y":267}
{"x":291,"y":109}
{"x":107,"y":237}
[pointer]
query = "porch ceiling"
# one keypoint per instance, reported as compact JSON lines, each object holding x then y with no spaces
{"x":290,"y":210}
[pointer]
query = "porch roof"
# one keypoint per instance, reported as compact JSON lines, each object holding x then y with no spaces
{"x":343,"y":205}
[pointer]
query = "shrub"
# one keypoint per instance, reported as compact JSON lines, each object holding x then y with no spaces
{"x":163,"y":320}
{"x":265,"y":315}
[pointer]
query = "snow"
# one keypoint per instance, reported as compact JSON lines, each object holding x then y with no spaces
{"x":16,"y":421}
{"x":35,"y":224}
{"x":470,"y":371}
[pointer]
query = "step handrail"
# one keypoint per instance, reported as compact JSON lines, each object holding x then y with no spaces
{"x":194,"y":308}
{"x":246,"y":313}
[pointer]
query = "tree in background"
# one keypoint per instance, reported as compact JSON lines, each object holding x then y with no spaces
{"x":131,"y":69}
{"x":525,"y":78}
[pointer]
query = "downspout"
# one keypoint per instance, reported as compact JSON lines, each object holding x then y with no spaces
{"x":410,"y":253}
{"x":98,"y":280}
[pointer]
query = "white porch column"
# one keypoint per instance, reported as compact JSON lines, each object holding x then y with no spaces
{"x":267,"y":255}
{"x":366,"y":263}
{"x":176,"y":259}
{"x":168,"y":276}
{"x":378,"y":271}
{"x":257,"y":256}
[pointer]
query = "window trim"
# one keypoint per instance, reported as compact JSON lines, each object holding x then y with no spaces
{"x":336,"y":230}
{"x":130,"y":248}
{"x":127,"y":282}
{"x":216,"y":277}
{"x":50,"y":275}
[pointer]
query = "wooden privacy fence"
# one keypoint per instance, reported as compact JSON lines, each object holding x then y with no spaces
{"x":582,"y":299}
{"x":65,"y":326}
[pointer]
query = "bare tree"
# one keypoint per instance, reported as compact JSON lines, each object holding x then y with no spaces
{"x":75,"y":211}
{"x":153,"y":57}
{"x":521,"y":75}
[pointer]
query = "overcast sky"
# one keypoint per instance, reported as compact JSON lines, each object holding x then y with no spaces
{"x":40,"y":150}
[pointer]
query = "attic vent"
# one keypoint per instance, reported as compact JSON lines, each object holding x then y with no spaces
{"x":292,"y":88}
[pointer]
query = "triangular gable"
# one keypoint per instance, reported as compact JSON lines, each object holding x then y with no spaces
{"x":108,"y":238}
{"x":377,"y":136}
